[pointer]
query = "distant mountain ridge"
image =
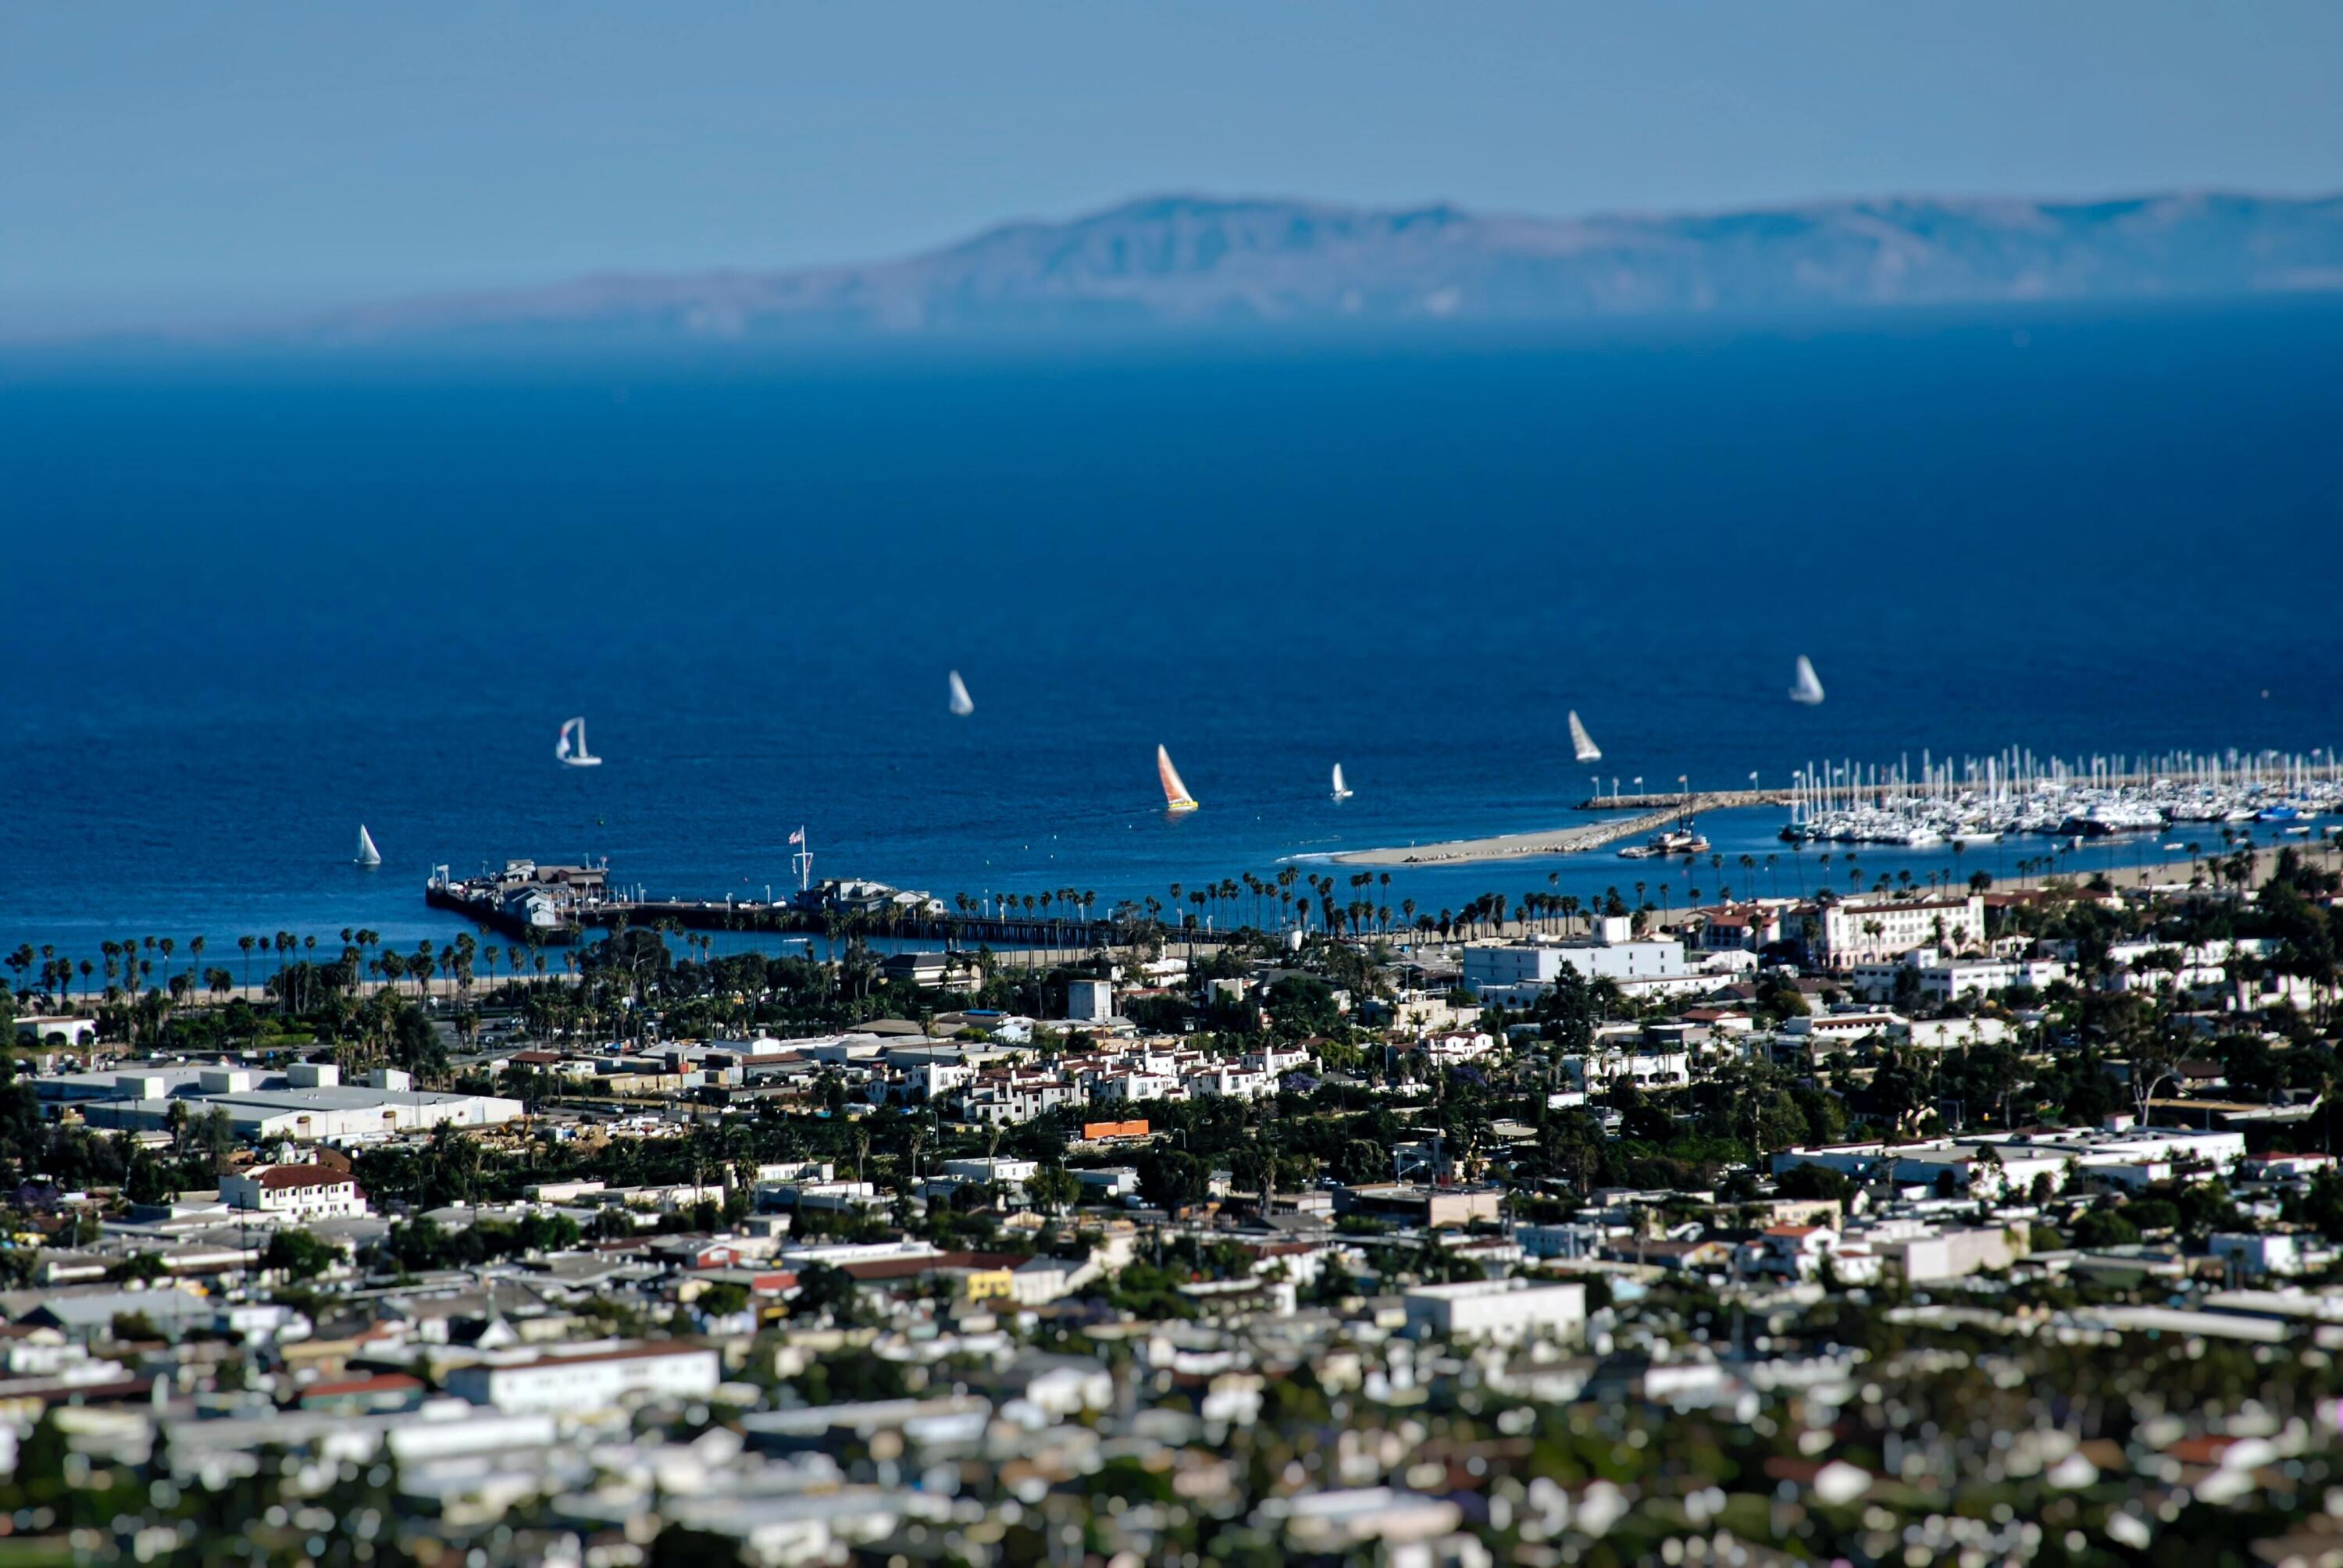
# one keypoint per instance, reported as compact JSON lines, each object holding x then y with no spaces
{"x":1201,"y":261}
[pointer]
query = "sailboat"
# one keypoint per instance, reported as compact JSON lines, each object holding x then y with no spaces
{"x":368,"y":854}
{"x":1581,"y":744}
{"x":1175,"y":794}
{"x":1807,"y":689}
{"x":573,"y":751}
{"x":962,"y":704}
{"x":1342,"y":790}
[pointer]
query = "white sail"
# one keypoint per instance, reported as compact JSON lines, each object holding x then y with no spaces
{"x":1582,"y":745}
{"x":962,"y":704}
{"x":1809,"y":688}
{"x":571,"y":747}
{"x":1175,"y":794}
{"x":368,"y":854}
{"x":1342,"y":790}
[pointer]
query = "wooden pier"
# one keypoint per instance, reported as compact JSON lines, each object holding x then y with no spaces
{"x":952,"y":930}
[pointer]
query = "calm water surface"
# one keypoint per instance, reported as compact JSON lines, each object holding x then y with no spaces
{"x":253,"y":604}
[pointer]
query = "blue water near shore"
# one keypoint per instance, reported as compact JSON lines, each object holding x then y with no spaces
{"x":253,"y":603}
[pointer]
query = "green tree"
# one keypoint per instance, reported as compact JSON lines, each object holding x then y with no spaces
{"x":723,"y":1299}
{"x":1808,"y":1180}
{"x":2104,"y":1228}
{"x":1054,"y":1188}
{"x":1172,"y":1179}
{"x":299,"y":1254}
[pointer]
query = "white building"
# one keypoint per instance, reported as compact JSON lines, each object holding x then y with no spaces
{"x":300,"y":1193}
{"x":1645,"y":1069}
{"x":1921,"y":1252}
{"x":1456,"y":1045}
{"x":2136,"y":1157}
{"x":308,"y":1103}
{"x":1999,"y":1164}
{"x":1939,"y":977}
{"x":1988,"y":1169}
{"x":2255,"y":1254}
{"x":1527,"y":968}
{"x":583,"y":1382}
{"x":1503,"y":1312}
{"x":1829,"y":1031}
{"x":998,"y":1171}
{"x":56,"y":1029}
{"x":1229,"y":1083}
{"x":1108,"y":1181}
{"x":1845,"y":932}
{"x":1090,"y":1000}
{"x":1955,"y":1034}
{"x":1019,"y":1099}
{"x":1134,"y":1086}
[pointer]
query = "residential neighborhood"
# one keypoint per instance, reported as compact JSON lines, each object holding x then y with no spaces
{"x":1711,"y":1233}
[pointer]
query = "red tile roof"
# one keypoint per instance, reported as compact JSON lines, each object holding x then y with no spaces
{"x":284,"y":1177}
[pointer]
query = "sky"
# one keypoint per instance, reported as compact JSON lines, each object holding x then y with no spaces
{"x":174,"y":162}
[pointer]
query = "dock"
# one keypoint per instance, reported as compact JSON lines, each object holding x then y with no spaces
{"x":479,"y":902}
{"x":1684,"y":805}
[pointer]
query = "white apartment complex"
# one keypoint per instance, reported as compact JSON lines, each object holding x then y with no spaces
{"x":1843,"y":933}
{"x":297,"y":1192}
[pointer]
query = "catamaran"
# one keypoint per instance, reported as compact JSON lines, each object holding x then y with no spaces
{"x":1342,"y":790}
{"x":573,"y":751}
{"x":368,"y":854}
{"x":962,"y":704}
{"x":1809,"y":688}
{"x":1581,"y":743}
{"x":1175,"y":794}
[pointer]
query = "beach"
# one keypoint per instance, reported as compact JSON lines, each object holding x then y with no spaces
{"x":1575,"y":841}
{"x":1572,"y":841}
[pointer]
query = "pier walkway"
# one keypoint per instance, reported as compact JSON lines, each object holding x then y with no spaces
{"x":954,"y":930}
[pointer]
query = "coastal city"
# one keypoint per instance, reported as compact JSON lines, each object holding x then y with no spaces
{"x":1203,"y":785}
{"x":1889,"y":1221}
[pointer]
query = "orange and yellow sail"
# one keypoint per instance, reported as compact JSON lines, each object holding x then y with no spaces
{"x":1175,"y":794}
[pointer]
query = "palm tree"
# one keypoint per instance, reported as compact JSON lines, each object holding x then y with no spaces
{"x":246,"y":944}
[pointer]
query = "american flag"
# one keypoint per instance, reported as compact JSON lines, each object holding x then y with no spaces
{"x":798,"y":836}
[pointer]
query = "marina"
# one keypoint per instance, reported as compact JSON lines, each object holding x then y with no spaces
{"x":1978,"y":800}
{"x":1962,"y":803}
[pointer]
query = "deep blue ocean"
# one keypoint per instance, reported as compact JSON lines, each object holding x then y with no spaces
{"x":252,"y":603}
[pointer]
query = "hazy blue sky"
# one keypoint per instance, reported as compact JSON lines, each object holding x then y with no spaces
{"x":169,"y":157}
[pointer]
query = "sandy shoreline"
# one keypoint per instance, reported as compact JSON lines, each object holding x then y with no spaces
{"x":1572,"y":841}
{"x":1589,"y":836}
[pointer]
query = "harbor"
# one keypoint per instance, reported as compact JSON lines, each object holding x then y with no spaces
{"x":1971,"y":801}
{"x":1965,"y":802}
